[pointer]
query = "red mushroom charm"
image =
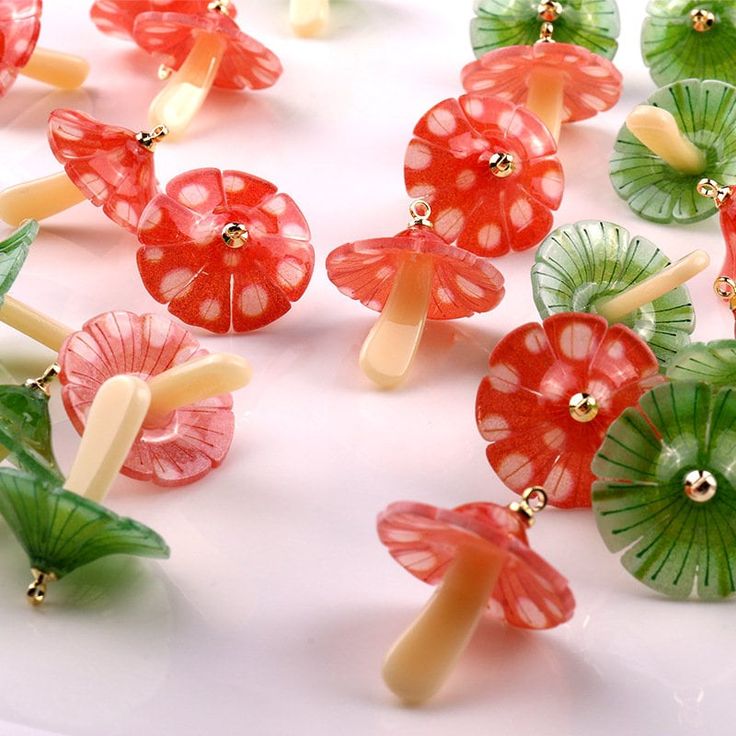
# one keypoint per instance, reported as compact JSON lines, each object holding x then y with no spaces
{"x":489,"y":170}
{"x":20,"y":25}
{"x":559,"y":82}
{"x":111,"y":166}
{"x":410,"y":278}
{"x":480,"y":556}
{"x":205,"y":49}
{"x":224,"y":249}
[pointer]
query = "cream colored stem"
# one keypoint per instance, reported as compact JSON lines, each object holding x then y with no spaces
{"x":421,"y":660}
{"x":113,"y":423}
{"x":655,"y":286}
{"x":65,"y":71}
{"x":546,"y":98}
{"x":657,"y":130}
{"x":37,"y":326}
{"x":308,"y":17}
{"x":391,"y":345}
{"x":185,"y":92}
{"x":197,"y":380}
{"x":38,"y":199}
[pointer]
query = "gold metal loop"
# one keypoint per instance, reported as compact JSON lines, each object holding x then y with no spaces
{"x":44,"y":380}
{"x":725,"y":287}
{"x":700,"y":486}
{"x":149,"y":139}
{"x":545,"y":33}
{"x":420,"y":212}
{"x":549,"y":10}
{"x":583,"y":407}
{"x":533,"y":500}
{"x":164,"y":72}
{"x":220,"y":6}
{"x":711,"y":189}
{"x":235,"y":235}
{"x":703,"y":20}
{"x":36,"y":593}
{"x":502,"y":164}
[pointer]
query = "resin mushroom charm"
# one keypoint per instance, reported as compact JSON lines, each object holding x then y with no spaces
{"x":713,"y":363}
{"x":111,"y":166}
{"x":20,"y":25}
{"x":64,"y":528}
{"x":480,"y":557}
{"x":308,"y":17}
{"x":551,"y":392}
{"x":224,"y":250}
{"x":410,"y":278}
{"x":598,"y":267}
{"x":490,"y":172}
{"x":666,"y":490}
{"x":685,"y":39}
{"x":202,"y":50}
{"x":684,"y":133}
{"x":593,"y":24}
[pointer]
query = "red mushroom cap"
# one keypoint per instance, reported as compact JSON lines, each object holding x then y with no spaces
{"x":108,"y":164}
{"x":247,"y":63}
{"x":592,"y":82}
{"x":193,"y":441}
{"x":424,"y":540}
{"x":463,"y":283}
{"x":117,"y":17}
{"x":20,"y":24}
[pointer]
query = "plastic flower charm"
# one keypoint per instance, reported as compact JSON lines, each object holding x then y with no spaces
{"x":551,"y":392}
{"x":713,"y":363}
{"x":224,"y":249}
{"x":666,"y":492}
{"x":490,"y":172}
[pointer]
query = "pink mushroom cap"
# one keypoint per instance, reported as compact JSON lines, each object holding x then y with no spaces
{"x":20,"y":24}
{"x":592,"y":84}
{"x":193,"y":440}
{"x":424,"y":540}
{"x":463,"y":283}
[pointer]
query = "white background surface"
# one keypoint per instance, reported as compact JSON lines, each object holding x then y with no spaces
{"x":277,"y":606}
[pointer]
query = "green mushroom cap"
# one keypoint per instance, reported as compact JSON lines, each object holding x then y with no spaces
{"x":705,"y":113}
{"x":61,"y":531}
{"x":679,"y":535}
{"x":593,"y":24}
{"x":673,"y":48}
{"x":713,"y":363}
{"x":582,"y":264}
{"x":13,"y":253}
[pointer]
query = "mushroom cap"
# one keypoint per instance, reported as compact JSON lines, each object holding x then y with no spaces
{"x":194,"y":439}
{"x":25,"y":431}
{"x":713,"y":363}
{"x":184,"y":261}
{"x":593,"y":24}
{"x":61,"y":531}
{"x":673,"y":544}
{"x":247,"y":63}
{"x":117,"y":17}
{"x":462,"y":284}
{"x":13,"y":253}
{"x":592,"y":83}
{"x":673,"y":49}
{"x":20,"y":24}
{"x":706,"y":114}
{"x":581,"y":264}
{"x":424,"y":540}
{"x":522,"y":407}
{"x":447,"y":164}
{"x":108,"y":165}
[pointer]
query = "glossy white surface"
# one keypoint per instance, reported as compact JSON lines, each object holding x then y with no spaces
{"x":275,"y":611}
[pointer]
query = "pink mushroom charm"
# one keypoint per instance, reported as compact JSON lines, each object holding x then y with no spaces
{"x":480,"y":557}
{"x":20,"y":25}
{"x":111,"y":166}
{"x":410,"y":278}
{"x":488,"y":168}
{"x":559,"y":82}
{"x":171,"y":450}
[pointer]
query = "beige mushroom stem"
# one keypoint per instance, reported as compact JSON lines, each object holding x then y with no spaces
{"x":392,"y":343}
{"x":187,"y":89}
{"x":654,"y":287}
{"x":423,"y":657}
{"x":657,"y":129}
{"x":39,"y":199}
{"x":36,"y":325}
{"x":113,"y":423}
{"x":65,"y":71}
{"x":308,"y":17}
{"x":546,"y":98}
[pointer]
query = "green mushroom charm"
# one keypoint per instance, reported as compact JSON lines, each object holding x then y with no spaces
{"x":684,"y":39}
{"x":666,"y":490}
{"x":593,"y":266}
{"x":683,"y":137}
{"x":713,"y":363}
